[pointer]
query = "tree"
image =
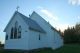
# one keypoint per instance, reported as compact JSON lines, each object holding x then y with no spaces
{"x":0,"y":42}
{"x":72,"y":34}
{"x":61,"y":33}
{"x":77,"y":28}
{"x":69,"y":35}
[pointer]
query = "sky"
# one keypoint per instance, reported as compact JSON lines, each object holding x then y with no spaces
{"x":59,"y":13}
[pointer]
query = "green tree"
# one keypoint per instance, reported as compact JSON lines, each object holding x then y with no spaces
{"x":77,"y":28}
{"x":69,"y":35}
{"x":72,"y":34}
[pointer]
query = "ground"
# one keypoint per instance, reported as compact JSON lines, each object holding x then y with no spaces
{"x":67,"y":48}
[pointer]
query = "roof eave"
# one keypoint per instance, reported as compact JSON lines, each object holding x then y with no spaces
{"x":36,"y":30}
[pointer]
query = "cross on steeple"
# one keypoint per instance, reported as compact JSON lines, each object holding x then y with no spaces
{"x":17,"y":8}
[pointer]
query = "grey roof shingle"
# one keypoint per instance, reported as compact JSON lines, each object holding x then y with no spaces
{"x":32,"y":24}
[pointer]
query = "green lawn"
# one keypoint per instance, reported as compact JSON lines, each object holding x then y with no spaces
{"x":68,"y":48}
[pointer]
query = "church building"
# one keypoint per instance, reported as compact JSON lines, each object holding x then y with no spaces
{"x":33,"y":32}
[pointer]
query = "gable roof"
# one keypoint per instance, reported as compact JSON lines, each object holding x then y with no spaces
{"x":32,"y":24}
{"x":45,"y":21}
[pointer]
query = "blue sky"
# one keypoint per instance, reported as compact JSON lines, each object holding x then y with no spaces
{"x":59,"y":13}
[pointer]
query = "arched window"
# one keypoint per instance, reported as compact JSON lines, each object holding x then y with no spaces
{"x":15,"y":33}
{"x":16,"y":24}
{"x":11,"y":37}
{"x":19,"y":32}
{"x":16,"y":30}
{"x":6,"y":37}
{"x":39,"y":37}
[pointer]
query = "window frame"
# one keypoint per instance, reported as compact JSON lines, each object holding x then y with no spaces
{"x":19,"y":31}
{"x":6,"y":37}
{"x":39,"y":37}
{"x":12,"y":33}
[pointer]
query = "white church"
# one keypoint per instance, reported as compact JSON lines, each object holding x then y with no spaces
{"x":33,"y":32}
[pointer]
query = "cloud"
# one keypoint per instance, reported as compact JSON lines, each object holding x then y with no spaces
{"x":74,"y":2}
{"x":48,"y":13}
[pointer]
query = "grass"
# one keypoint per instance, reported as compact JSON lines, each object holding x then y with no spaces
{"x":68,"y":48}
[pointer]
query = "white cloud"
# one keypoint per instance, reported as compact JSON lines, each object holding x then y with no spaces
{"x":74,"y":2}
{"x":49,"y":14}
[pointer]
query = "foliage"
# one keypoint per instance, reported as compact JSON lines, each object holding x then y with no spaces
{"x":72,"y":35}
{"x":1,"y":45}
{"x":61,"y":33}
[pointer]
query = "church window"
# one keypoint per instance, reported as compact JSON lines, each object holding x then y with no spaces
{"x":19,"y":32}
{"x":6,"y":37}
{"x":16,"y":24}
{"x":39,"y":37}
{"x":15,"y":30}
{"x":11,"y":37}
{"x":15,"y":33}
